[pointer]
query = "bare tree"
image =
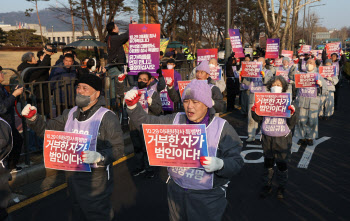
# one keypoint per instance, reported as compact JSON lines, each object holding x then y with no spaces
{"x":37,"y":13}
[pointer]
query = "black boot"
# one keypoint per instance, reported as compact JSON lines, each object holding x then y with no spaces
{"x":280,"y":193}
{"x":301,"y":141}
{"x":282,"y":178}
{"x":267,"y":182}
{"x":310,"y":142}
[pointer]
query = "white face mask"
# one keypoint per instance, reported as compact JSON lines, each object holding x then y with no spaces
{"x":276,"y":89}
{"x":211,"y":65}
{"x":169,"y":66}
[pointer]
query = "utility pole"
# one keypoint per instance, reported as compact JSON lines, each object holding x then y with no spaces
{"x":304,"y":22}
{"x":293,"y":23}
{"x":227,"y":35}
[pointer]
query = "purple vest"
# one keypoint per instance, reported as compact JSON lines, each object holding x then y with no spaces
{"x":275,"y":126}
{"x":256,"y":85}
{"x":90,"y":126}
{"x":198,"y":179}
{"x":308,"y":92}
{"x":303,"y":65}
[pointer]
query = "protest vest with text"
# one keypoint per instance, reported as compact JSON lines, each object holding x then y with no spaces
{"x":90,"y":126}
{"x":198,"y":179}
{"x":275,"y":126}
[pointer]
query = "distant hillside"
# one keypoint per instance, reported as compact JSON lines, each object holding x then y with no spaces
{"x":48,"y":18}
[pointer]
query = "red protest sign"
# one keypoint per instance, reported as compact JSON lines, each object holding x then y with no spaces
{"x":62,"y":150}
{"x":167,"y":103}
{"x":333,"y":48}
{"x":288,"y":54}
{"x":328,"y":71}
{"x":278,"y":62}
{"x":305,"y":80}
{"x":251,"y":69}
{"x":272,"y":104}
{"x":206,"y":54}
{"x":304,"y":49}
{"x":182,"y":86}
{"x":215,"y":73}
{"x":175,"y":145}
{"x":284,"y":74}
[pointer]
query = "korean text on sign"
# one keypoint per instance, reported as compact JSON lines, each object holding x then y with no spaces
{"x":236,"y":43}
{"x":328,"y":71}
{"x":306,"y":80}
{"x":206,"y":54}
{"x":272,"y":104}
{"x":62,"y":150}
{"x":251,"y":69}
{"x":284,"y":74}
{"x":167,"y":103}
{"x":175,"y":145}
{"x":272,"y":48}
{"x":182,"y":86}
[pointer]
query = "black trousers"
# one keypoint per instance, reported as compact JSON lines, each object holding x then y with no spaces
{"x":232,"y":89}
{"x":91,"y":194}
{"x":13,"y":157}
{"x":195,"y":205}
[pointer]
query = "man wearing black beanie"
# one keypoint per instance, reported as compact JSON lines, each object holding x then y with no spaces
{"x":90,"y":192}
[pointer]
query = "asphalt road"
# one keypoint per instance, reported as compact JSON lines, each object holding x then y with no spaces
{"x":318,"y":188}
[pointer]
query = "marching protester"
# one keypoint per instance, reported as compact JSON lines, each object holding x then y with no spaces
{"x":276,"y":144}
{"x":292,"y":70}
{"x":302,"y":63}
{"x":232,"y":81}
{"x":153,"y":107}
{"x":7,"y":113}
{"x":244,"y":92}
{"x":90,"y":191}
{"x":309,"y":100}
{"x":327,"y":100}
{"x":256,"y":85}
{"x":213,"y":65}
{"x":188,"y":197}
{"x":6,"y":143}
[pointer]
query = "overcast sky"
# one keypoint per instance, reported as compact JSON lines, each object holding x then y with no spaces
{"x":334,"y":13}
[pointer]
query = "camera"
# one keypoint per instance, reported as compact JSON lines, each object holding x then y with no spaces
{"x":54,"y":46}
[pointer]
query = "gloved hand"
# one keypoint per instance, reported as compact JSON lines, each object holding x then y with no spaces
{"x":296,"y":61}
{"x":29,"y":112}
{"x":254,"y":107}
{"x":211,"y":164}
{"x":149,"y":101}
{"x":131,"y":98}
{"x":292,"y":109}
{"x":319,"y":83}
{"x":262,"y":73}
{"x":170,"y":82}
{"x":121,"y":77}
{"x":291,"y":81}
{"x":91,"y":157}
{"x":330,"y":79}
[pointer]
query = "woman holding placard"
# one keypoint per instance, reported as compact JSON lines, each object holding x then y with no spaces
{"x":276,"y":141}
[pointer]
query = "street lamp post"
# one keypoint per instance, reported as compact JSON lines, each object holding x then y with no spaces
{"x":227,"y":35}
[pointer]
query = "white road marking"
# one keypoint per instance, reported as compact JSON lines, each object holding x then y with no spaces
{"x":306,"y":158}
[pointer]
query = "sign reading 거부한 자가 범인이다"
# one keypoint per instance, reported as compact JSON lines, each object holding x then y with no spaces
{"x":206,"y":54}
{"x":175,"y":145}
{"x":167,"y":103}
{"x":251,"y":69}
{"x":182,"y":86}
{"x":306,"y":80}
{"x":236,"y":43}
{"x":284,"y":74}
{"x":62,"y":150}
{"x":327,"y":71}
{"x":144,"y":46}
{"x":272,"y":48}
{"x":272,"y":104}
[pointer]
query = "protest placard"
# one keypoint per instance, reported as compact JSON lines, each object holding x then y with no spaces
{"x":256,"y":85}
{"x":288,"y":54}
{"x":143,"y":99}
{"x":215,"y":73}
{"x":144,"y":47}
{"x":251,"y":69}
{"x":333,"y":48}
{"x":304,"y":49}
{"x":62,"y":150}
{"x":236,"y":43}
{"x":182,"y":86}
{"x":327,"y":71}
{"x":278,"y":62}
{"x":175,"y":145}
{"x":306,"y":80}
{"x":272,"y":48}
{"x":272,"y":104}
{"x":206,"y":54}
{"x":164,"y":44}
{"x":284,"y":74}
{"x":167,"y":103}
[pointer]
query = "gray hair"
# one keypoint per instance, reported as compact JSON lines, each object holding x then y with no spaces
{"x":27,"y":56}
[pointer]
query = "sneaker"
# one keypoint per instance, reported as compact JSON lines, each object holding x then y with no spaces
{"x":301,"y":141}
{"x":265,"y":191}
{"x":138,"y":172}
{"x":250,"y":139}
{"x":280,"y":193}
{"x":16,"y":170}
{"x":310,"y":142}
{"x":149,"y":174}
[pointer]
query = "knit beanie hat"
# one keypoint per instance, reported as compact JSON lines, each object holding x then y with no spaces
{"x":91,"y":80}
{"x":198,"y":90}
{"x":328,"y":61}
{"x":285,"y":59}
{"x":203,"y":66}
